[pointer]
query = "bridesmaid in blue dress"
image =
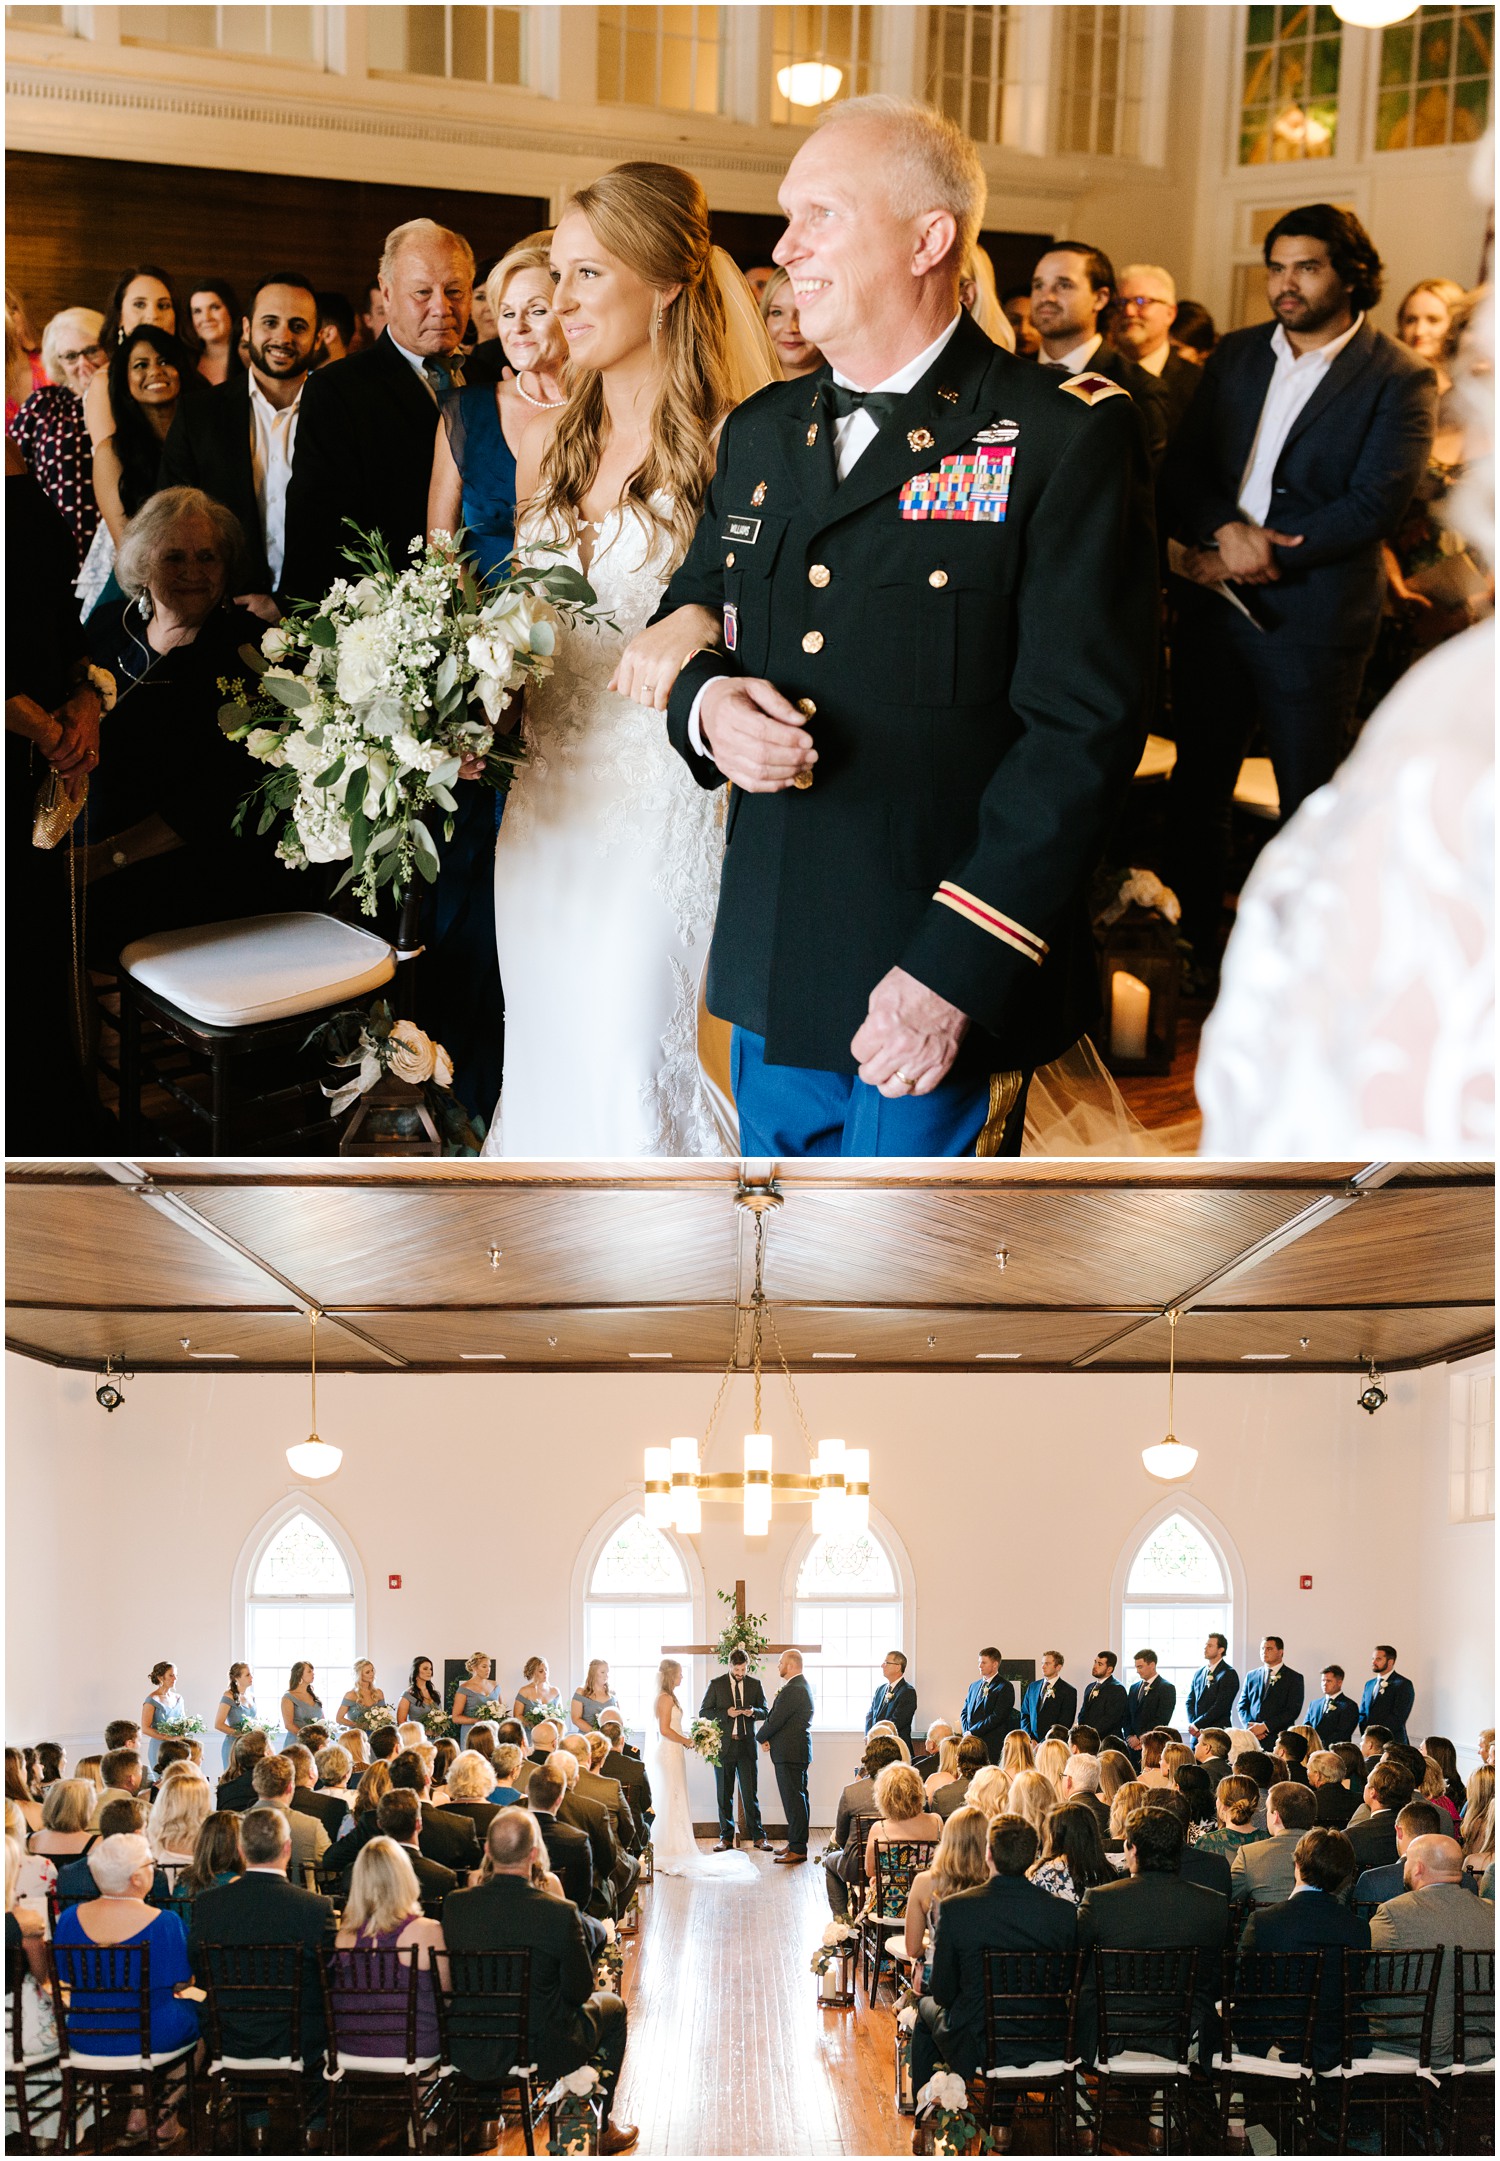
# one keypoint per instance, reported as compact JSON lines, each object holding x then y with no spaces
{"x":236,"y":1708}
{"x":162,"y":1703}
{"x":474,"y":1698}
{"x":594,"y":1698}
{"x":299,"y":1706}
{"x":362,"y":1698}
{"x":421,"y":1696}
{"x":474,"y":485}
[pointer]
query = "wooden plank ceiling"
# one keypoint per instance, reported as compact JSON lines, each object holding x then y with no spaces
{"x":166,"y":1267}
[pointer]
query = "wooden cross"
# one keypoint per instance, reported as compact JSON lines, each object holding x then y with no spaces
{"x":708,"y":1649}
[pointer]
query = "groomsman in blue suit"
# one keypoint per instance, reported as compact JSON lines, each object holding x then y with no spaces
{"x":1389,"y":1697}
{"x":1334,"y":1716}
{"x":1051,"y":1701}
{"x":1272,"y":1695}
{"x":1105,"y":1705}
{"x":896,"y":1700}
{"x":1152,"y":1701}
{"x":990,"y":1706}
{"x":1213,"y":1688}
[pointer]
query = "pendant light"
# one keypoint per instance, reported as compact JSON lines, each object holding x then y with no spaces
{"x":1374,"y":14}
{"x":314,"y":1458}
{"x":1170,"y":1458}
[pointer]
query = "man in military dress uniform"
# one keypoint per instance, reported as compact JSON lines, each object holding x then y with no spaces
{"x":935,"y":571}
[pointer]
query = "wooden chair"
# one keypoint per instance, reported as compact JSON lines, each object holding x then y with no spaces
{"x":1145,"y":2014}
{"x":1390,"y":1999}
{"x":32,"y":2076}
{"x":253,"y":2027}
{"x":360,"y":1989}
{"x":92,"y":2076}
{"x":897,"y":1865}
{"x":1270,"y":2003}
{"x":1030,"y":2051}
{"x":1469,"y":2081}
{"x":487,"y":2003}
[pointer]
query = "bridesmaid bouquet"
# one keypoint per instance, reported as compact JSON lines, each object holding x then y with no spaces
{"x":437,"y":1725}
{"x":186,"y":1726}
{"x":533,"y":1714}
{"x":365,"y":705}
{"x":707,"y":1739}
{"x":373,"y":1720}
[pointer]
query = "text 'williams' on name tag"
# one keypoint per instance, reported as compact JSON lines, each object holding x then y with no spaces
{"x":742,"y":529}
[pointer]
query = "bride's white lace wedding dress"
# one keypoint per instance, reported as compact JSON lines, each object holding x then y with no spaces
{"x":675,"y":1851}
{"x":606,"y":880}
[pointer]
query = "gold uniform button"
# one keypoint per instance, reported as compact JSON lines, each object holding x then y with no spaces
{"x":803,"y":779}
{"x":729,"y":560}
{"x":934,"y":577}
{"x":813,"y":642}
{"x":806,"y":708}
{"x":819,"y":575}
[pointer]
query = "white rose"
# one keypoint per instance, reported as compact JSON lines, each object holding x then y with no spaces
{"x":416,"y":756}
{"x":492,"y":655}
{"x":275,"y":645}
{"x":411,"y":1053}
{"x":361,"y":670}
{"x":267,"y":744}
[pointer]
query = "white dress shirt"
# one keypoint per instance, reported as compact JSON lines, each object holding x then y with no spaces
{"x":1296,"y":377}
{"x":1074,"y":363}
{"x":1155,"y":363}
{"x":852,"y":437}
{"x":273,"y":439}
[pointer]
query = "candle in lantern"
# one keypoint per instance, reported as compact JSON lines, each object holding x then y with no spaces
{"x":1129,"y":1015}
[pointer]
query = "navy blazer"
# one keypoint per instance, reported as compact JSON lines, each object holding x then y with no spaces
{"x":1151,"y":1704}
{"x":1211,"y":1694}
{"x":1333,"y":1719}
{"x":898,"y":1704}
{"x":1393,"y":1709}
{"x":1345,"y":477}
{"x":787,"y":1731}
{"x":1036,"y":1716}
{"x":1272,"y":1700}
{"x":1005,"y":1914}
{"x":1105,"y":1706}
{"x":990,"y":1711}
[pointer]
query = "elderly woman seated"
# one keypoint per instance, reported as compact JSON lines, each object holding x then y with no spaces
{"x":119,"y":1918}
{"x":66,"y":1814}
{"x":161,"y":851}
{"x":383,"y":1912}
{"x":471,"y":1781}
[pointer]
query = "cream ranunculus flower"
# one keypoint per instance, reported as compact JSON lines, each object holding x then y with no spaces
{"x":275,"y":645}
{"x":492,"y":655}
{"x":411,"y":1053}
{"x":361,"y":670}
{"x":442,"y":1073}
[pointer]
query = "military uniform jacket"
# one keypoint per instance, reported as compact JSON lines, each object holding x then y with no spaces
{"x":969,"y":621}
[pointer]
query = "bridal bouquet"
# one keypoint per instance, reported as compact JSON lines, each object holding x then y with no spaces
{"x":367,"y":703}
{"x":184,"y":1727}
{"x":707,"y":1740}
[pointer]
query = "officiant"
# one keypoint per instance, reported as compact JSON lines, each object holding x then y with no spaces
{"x":935,"y":571}
{"x":737,"y":1701}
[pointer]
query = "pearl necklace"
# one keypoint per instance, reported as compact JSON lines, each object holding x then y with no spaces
{"x":544,"y":405}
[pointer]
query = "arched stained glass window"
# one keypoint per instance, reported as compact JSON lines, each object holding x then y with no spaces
{"x":300,"y":1605}
{"x":638,"y":1599}
{"x":848,"y":1599}
{"x":1177,"y":1592}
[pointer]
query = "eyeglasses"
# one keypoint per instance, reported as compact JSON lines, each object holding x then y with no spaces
{"x":86,"y":352}
{"x":1142,"y":301}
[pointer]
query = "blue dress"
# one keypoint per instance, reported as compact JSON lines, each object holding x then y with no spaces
{"x":590,"y":1712}
{"x":240,"y":1714}
{"x":351,"y":1712}
{"x":304,"y":1714}
{"x":174,"y":2024}
{"x":166,"y":1707}
{"x":487,"y":465}
{"x":473,"y":1696}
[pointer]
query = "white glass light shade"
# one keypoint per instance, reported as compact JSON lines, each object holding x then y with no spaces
{"x":659,"y":1488}
{"x":758,"y":1449}
{"x":828,"y":1477}
{"x":1367,"y":14}
{"x":856,"y":1491}
{"x":1170,"y":1458}
{"x":690,"y":1514}
{"x":313,"y":1458}
{"x":809,"y":82}
{"x":684,"y":1453}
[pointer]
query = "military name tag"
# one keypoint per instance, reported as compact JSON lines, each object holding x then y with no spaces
{"x":974,"y":487}
{"x":745,"y":529}
{"x":731,"y":628}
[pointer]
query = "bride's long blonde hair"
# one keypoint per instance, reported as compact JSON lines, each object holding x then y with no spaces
{"x":654,"y":218}
{"x":664,"y":1687}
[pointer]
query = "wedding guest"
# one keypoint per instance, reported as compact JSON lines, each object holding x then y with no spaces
{"x":1115,"y":1770}
{"x":51,"y":1764}
{"x":421,"y":1694}
{"x":142,"y":297}
{"x":90,"y":1767}
{"x":902,"y":1817}
{"x":335,"y":340}
{"x":971,"y":1757}
{"x":215,"y":316}
{"x":362,"y":1698}
{"x":505,"y":1788}
{"x":1081,"y":1783}
{"x":274,"y":1780}
{"x":63,"y":1832}
{"x":25,"y":1928}
{"x":536,"y":1692}
{"x":1015,"y":306}
{"x":609,"y":1797}
{"x":163,"y":1703}
{"x":570,"y":2023}
{"x":1419,"y":1819}
{"x":947,"y":1765}
{"x":24,"y":370}
{"x":1151,"y":1772}
{"x":844,"y":1860}
{"x":1032,"y":1799}
{"x":1052,"y":1761}
{"x":778,"y":308}
{"x":1017,"y":1753}
{"x":519,"y":293}
{"x":329,"y":1809}
{"x":988,"y":1791}
{"x":1325,"y":1775}
{"x":217,"y":1856}
{"x":1315,"y":1917}
{"x":1193,"y":334}
{"x":1072,"y":1857}
{"x":1445,"y":1756}
{"x":1142,"y":330}
{"x":383,"y":1912}
{"x":50,"y":430}
{"x":335,"y":1768}
{"x":1152,"y":1905}
{"x":625,"y":1764}
{"x":1478,"y":1825}
{"x":178,"y":1814}
{"x":17,"y":1790}
{"x":146,"y":378}
{"x":927,"y":1762}
{"x":979,"y":298}
{"x":1436,"y":1907}
{"x":471,"y":1785}
{"x":262,"y":1906}
{"x":445,"y":1754}
{"x":1128,"y":1801}
{"x":121,"y":1771}
{"x":567,"y":1847}
{"x":960,"y":1864}
{"x":239,"y":445}
{"x":474,"y":1697}
{"x":1073,"y":304}
{"x":236,"y":1790}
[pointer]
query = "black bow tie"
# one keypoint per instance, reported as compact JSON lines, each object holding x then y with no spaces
{"x":879,"y":404}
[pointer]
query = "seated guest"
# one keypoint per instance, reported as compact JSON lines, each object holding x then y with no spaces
{"x":398,"y":1818}
{"x":608,"y":1792}
{"x":1434,"y":1788}
{"x":275,"y":1782}
{"x":89,"y":1767}
{"x":1017,"y":1753}
{"x":335,"y":1768}
{"x":1152,"y":1908}
{"x":1356,"y":1763}
{"x":545,"y":1736}
{"x":841,"y":1865}
{"x":945,"y":1771}
{"x":1445,"y":1755}
{"x":567,"y":1847}
{"x":594,"y":1819}
{"x":959,"y":1864}
{"x":928,"y":1760}
{"x":1325,"y":1775}
{"x":26,"y":1929}
{"x":971,"y":1755}
{"x":1263,"y":1872}
{"x":1209,"y":1869}
{"x":571,"y":2023}
{"x":1292,"y":1750}
{"x":1083,"y":1781}
{"x":237,"y":1788}
{"x":261,"y":1906}
{"x":1007,"y":1913}
{"x":446,"y":1837}
{"x":1313,"y":1918}
{"x":1197,"y":1790}
{"x":1032,"y":1799}
{"x":1435,"y":1908}
{"x":1115,"y":1770}
{"x":121,"y":1772}
{"x":1387,"y":1791}
{"x":1236,"y":1801}
{"x":120,"y":1917}
{"x":65,"y":1815}
{"x":988,"y":1791}
{"x":445,"y":1754}
{"x":178,"y":1814}
{"x":383,"y":1912}
{"x":123,"y":1817}
{"x":1083,"y":1740}
{"x":161,"y":853}
{"x":1151,"y":1772}
{"x":218,"y":1856}
{"x":328,"y":1808}
{"x":1477,"y":1834}
{"x":1334,"y":1716}
{"x":1052,"y":1761}
{"x":1129,"y":1800}
{"x":374,"y":1785}
{"x":471,"y":1781}
{"x":903,"y":1816}
{"x":1264,"y":1771}
{"x":625,"y":1765}
{"x":1419,"y":1819}
{"x":1212,"y":1752}
{"x":169,"y":1754}
{"x":1072,"y":1858}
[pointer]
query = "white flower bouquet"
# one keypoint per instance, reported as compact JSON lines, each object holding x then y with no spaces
{"x":186,"y":1726}
{"x":707,"y":1739}
{"x":576,"y":2102}
{"x":375,"y":1719}
{"x":837,"y":1943}
{"x":367,"y":704}
{"x":435,"y":1724}
{"x":1118,"y":890}
{"x":943,"y":2105}
{"x":379,"y":1046}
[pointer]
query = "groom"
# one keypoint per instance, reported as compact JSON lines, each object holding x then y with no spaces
{"x":736,"y":1700}
{"x":936,"y":574}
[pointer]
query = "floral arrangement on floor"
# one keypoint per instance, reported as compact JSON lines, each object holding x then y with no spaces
{"x":837,"y":1942}
{"x":367,"y":702}
{"x":1118,"y":889}
{"x":575,"y":2101}
{"x":186,"y":1726}
{"x":706,"y":1739}
{"x":944,"y":2113}
{"x":609,"y":1968}
{"x":382,"y":1047}
{"x":742,"y":1632}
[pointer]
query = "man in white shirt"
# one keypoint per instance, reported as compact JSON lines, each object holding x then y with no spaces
{"x":1298,"y":458}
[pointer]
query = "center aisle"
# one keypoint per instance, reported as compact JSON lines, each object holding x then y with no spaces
{"x":728,"y":2052}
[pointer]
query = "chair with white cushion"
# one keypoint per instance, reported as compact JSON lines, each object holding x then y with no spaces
{"x":116,"y":1981}
{"x":1145,"y":2005}
{"x":361,"y":1989}
{"x":231,"y":1005}
{"x":253,"y":2023}
{"x":1269,"y":2015}
{"x":1031,"y":2013}
{"x":1390,"y":2000}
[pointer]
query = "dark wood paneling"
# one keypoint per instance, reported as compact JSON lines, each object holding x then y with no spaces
{"x":1014,"y":255}
{"x":72,"y":224}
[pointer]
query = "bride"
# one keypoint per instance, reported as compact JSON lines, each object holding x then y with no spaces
{"x":608,"y":856}
{"x":675,"y":1850}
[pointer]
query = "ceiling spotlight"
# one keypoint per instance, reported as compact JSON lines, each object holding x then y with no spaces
{"x":1303,"y":1342}
{"x":932,"y":1343}
{"x":1373,"y":1395}
{"x":496,"y":1256}
{"x":1002,"y":1255}
{"x":107,"y":1395}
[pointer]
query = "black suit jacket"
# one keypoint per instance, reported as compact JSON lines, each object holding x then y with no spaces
{"x":1345,"y":477}
{"x":448,"y":1838}
{"x":479,"y":1814}
{"x":344,"y":1851}
{"x":509,"y":1914}
{"x":209,"y":446}
{"x":1005,"y":1914}
{"x":1145,"y":390}
{"x":1105,"y":1706}
{"x":631,"y":1773}
{"x":1308,"y":1921}
{"x":1212,"y":1870}
{"x":898,"y":1704}
{"x":433,"y":1880}
{"x":1176,"y":387}
{"x":262,"y":1907}
{"x":569,"y":1858}
{"x":329,"y":1809}
{"x":717,"y":1701}
{"x":1160,"y":1913}
{"x":237,"y":1794}
{"x":973,"y":750}
{"x":787,"y":1728}
{"x":592,"y":1819}
{"x":1336,"y":1804}
{"x":1037,"y":1715}
{"x":1374,"y":1840}
{"x":364,"y":451}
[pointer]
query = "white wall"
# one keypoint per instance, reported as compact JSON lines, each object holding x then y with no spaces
{"x":1012,"y":1494}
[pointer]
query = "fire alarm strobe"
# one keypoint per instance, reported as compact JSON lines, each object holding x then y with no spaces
{"x":1304,"y":1583}
{"x":394,"y":1582}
